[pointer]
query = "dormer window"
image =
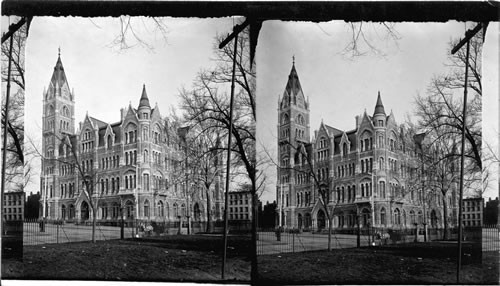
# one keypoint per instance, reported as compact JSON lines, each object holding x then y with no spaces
{"x":381,"y":123}
{"x":145,"y":115}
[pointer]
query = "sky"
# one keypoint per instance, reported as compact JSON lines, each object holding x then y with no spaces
{"x":339,"y":87}
{"x":104,"y":78}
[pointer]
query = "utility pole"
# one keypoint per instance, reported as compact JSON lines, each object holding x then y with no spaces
{"x":229,"y":143}
{"x":468,"y":35}
{"x":6,"y":121}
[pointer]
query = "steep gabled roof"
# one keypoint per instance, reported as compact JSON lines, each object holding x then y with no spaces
{"x":332,"y":131}
{"x":97,"y":122}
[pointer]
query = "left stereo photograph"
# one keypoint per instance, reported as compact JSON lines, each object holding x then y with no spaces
{"x":117,"y":163}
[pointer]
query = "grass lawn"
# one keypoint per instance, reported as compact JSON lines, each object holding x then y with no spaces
{"x":169,"y":258}
{"x":423,"y":263}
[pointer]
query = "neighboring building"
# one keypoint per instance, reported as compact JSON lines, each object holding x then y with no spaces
{"x":370,"y":171}
{"x":490,"y":212}
{"x":32,"y":206}
{"x":240,"y":206}
{"x":267,"y":215}
{"x":134,"y":164}
{"x":13,"y":208}
{"x":472,"y":211}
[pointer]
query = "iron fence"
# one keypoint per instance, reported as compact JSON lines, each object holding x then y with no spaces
{"x":271,"y":241}
{"x":293,"y":240}
{"x":44,"y":231}
{"x":490,"y":239}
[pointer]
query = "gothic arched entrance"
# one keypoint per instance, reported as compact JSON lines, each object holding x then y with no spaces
{"x":321,"y":220}
{"x":434,"y":219}
{"x":299,"y":221}
{"x":307,"y":220}
{"x":63,"y":212}
{"x":84,"y":211}
{"x":365,"y":213}
{"x":197,"y":212}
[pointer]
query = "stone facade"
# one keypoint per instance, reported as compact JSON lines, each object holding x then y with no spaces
{"x":370,"y":172}
{"x":134,"y":165}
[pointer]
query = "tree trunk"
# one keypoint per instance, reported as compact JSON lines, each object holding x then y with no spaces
{"x":209,"y":215}
{"x":330,"y":220}
{"x":253,"y":274}
{"x":93,"y":224}
{"x":445,"y":218}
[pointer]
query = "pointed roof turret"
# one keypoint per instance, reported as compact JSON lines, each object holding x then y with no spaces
{"x":379,"y":107}
{"x":144,"y":98}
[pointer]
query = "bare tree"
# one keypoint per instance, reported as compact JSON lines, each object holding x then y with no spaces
{"x":85,"y":172}
{"x":440,"y":109}
{"x":364,"y":37}
{"x":208,"y":104}
{"x":439,"y":113}
{"x":133,"y":31}
{"x":18,"y":170}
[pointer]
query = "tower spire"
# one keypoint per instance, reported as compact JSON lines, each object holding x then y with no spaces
{"x":144,"y":98}
{"x":379,"y":107}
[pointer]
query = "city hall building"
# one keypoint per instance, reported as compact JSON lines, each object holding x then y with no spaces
{"x":134,"y":165}
{"x":369,"y":172}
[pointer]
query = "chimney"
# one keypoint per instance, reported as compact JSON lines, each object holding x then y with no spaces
{"x":357,"y":121}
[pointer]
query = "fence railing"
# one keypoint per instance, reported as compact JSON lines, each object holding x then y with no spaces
{"x":272,"y":241}
{"x":44,"y":231}
{"x":490,"y":239}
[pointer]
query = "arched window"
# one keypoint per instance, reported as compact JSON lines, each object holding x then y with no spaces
{"x":176,"y":210}
{"x":145,"y":183}
{"x":285,"y":119}
{"x":129,"y":207}
{"x":382,"y":217}
{"x":397,"y":216}
{"x":104,"y":211}
{"x":300,"y":119}
{"x":344,"y":149}
{"x":110,"y":142}
{"x":131,"y":131}
{"x":160,"y":209}
{"x":65,"y":111}
{"x":167,"y":210}
{"x":183,"y":210}
{"x":146,"y":209}
{"x":71,"y":211}
{"x":63,"y":212}
{"x":382,"y":189}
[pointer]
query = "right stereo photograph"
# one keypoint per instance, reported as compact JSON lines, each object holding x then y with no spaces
{"x":379,"y":146}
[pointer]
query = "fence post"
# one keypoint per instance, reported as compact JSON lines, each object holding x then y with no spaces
{"x":57,"y":232}
{"x":293,"y":242}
